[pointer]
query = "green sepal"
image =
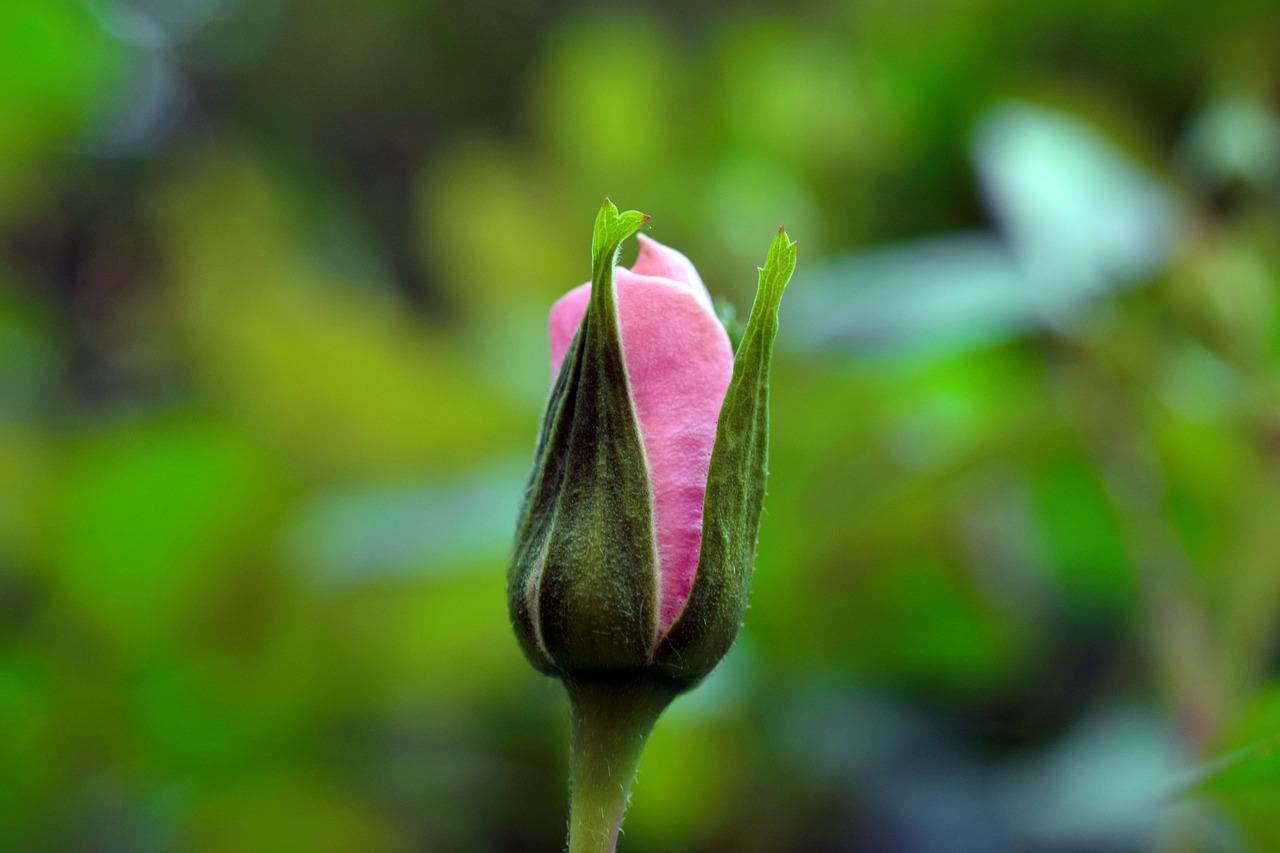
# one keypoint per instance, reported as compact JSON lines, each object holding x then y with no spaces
{"x":582,"y":588}
{"x":707,"y":626}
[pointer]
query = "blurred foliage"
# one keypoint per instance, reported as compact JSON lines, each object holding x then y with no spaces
{"x":273,"y":279}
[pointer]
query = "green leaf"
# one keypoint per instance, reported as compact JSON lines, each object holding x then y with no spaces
{"x":1244,"y":781}
{"x":735,"y":490}
{"x":1254,"y":766}
{"x":1253,"y":761}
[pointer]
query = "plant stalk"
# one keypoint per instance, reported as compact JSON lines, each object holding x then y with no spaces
{"x":611,"y":720}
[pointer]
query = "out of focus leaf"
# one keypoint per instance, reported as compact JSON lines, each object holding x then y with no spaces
{"x":1079,"y":214}
{"x":1104,"y":784}
{"x":1246,"y":780}
{"x":934,"y":294}
{"x":315,"y":362}
{"x":289,"y":811}
{"x":27,"y":355}
{"x":374,"y":534}
{"x":688,"y":774}
{"x":32,"y":770}
{"x":610,"y":118}
{"x":791,"y":95}
{"x":26,"y":475}
{"x":1076,"y":219}
{"x":442,"y":645}
{"x":480,"y":189}
{"x":1235,"y":138}
{"x":56,"y":68}
{"x":762,"y":196}
{"x":142,"y":514}
{"x":1084,"y":546}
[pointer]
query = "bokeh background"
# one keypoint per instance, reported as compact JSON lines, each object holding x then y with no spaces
{"x":273,"y":279}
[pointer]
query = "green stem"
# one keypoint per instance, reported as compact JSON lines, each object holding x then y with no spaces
{"x":611,"y":721}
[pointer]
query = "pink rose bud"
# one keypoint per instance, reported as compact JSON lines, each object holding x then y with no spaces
{"x":636,"y":541}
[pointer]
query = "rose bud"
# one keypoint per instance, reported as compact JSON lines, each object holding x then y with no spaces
{"x":637,"y":536}
{"x":636,"y":540}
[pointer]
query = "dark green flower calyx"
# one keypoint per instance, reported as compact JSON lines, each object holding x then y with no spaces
{"x":582,"y":587}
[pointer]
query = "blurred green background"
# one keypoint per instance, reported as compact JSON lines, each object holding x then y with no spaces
{"x":273,"y":285}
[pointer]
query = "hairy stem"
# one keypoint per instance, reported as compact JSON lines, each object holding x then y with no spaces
{"x":611,"y":722}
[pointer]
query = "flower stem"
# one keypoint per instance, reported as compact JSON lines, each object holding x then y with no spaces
{"x":611,"y":719}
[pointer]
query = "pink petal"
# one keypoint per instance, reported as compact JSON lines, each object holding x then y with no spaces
{"x":566,"y":316}
{"x":679,"y":360}
{"x":661,"y":261}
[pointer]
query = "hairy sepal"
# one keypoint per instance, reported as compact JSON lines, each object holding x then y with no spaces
{"x":582,"y":587}
{"x":707,"y":626}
